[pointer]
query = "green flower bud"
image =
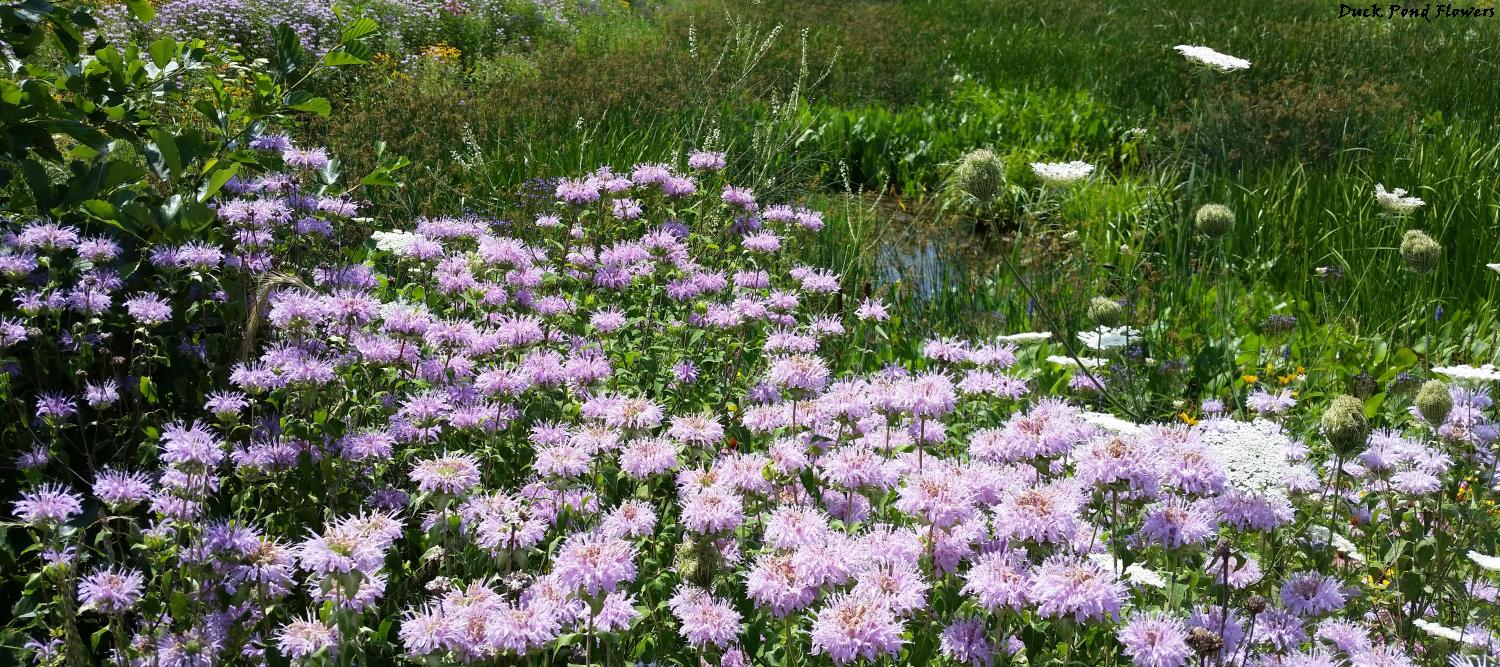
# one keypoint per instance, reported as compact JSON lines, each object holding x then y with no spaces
{"x":1434,"y":402}
{"x":980,"y":175}
{"x":1344,"y":424}
{"x":1105,"y":312}
{"x":1420,"y":252}
{"x":1215,"y":220}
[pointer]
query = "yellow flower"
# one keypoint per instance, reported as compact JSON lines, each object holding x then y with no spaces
{"x":1250,"y":379}
{"x":1187,"y":419}
{"x":1285,"y":379}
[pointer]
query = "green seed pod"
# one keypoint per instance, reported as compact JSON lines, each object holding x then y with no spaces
{"x":1105,"y":312}
{"x":980,"y":175}
{"x":1420,"y":252}
{"x":1215,"y":220}
{"x":1344,"y":424}
{"x":1434,"y":402}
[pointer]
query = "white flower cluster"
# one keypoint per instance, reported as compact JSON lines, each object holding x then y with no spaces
{"x":1062,"y":173}
{"x":1485,"y":373}
{"x":1396,"y":200}
{"x":1108,"y":338}
{"x":1082,"y":362}
{"x":1026,"y":338}
{"x":1253,"y":454}
{"x":394,"y":242}
{"x":1207,"y":57}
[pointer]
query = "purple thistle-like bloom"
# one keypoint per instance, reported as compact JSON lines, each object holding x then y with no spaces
{"x":854,"y":627}
{"x":1269,"y":404}
{"x":1175,"y":523}
{"x":190,"y":444}
{"x":595,"y":563}
{"x":1069,"y":586}
{"x":774,"y":581}
{"x":800,"y":372}
{"x":706,"y":160}
{"x":111,"y":591}
{"x":998,"y":580}
{"x":704,"y":620}
{"x":306,"y":636}
{"x":55,"y":406}
{"x":51,"y":504}
{"x":1279,"y":628}
{"x":1153,"y":639}
{"x":966,"y":641}
{"x":121,"y":490}
{"x":101,"y":394}
{"x":1312,"y":594}
{"x":451,"y":474}
{"x":712,"y":510}
{"x":305,"y":158}
{"x":148,"y":309}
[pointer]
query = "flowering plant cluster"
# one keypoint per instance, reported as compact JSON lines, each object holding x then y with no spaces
{"x":410,"y":25}
{"x":623,"y":426}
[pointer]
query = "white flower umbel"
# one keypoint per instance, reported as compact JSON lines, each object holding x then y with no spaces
{"x":1318,"y":536}
{"x":1491,"y":563}
{"x":1082,"y":362}
{"x":1396,"y":201}
{"x":1210,"y":58}
{"x":1465,"y":373}
{"x":1107,"y":338}
{"x":1494,"y":267}
{"x":1026,"y":338}
{"x":1253,"y":454}
{"x":395,"y":242}
{"x":1062,"y":173}
{"x":1110,"y":422}
{"x":1439,"y":631}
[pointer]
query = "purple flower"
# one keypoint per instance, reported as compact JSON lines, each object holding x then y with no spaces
{"x":704,"y":620}
{"x":998,"y":580}
{"x":148,"y":309}
{"x":1312,"y":594}
{"x":1153,"y":639}
{"x":110,"y":591}
{"x":1175,"y":523}
{"x":305,"y":158}
{"x":1069,"y":586}
{"x":55,"y":406}
{"x":102,"y":394}
{"x":706,"y":160}
{"x":594,"y":563}
{"x":856,"y":627}
{"x":49,"y":505}
{"x":304,"y":637}
{"x":966,"y":641}
{"x":452,"y":474}
{"x":121,"y":490}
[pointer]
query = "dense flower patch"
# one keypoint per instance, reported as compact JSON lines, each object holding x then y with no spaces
{"x":628,"y":425}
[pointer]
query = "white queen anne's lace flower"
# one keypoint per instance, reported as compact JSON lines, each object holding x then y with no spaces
{"x":1082,"y":362}
{"x":1396,"y":201}
{"x":1029,"y":337}
{"x":1062,"y":173}
{"x":1485,"y":373}
{"x":1207,"y":57}
{"x":1491,"y":563}
{"x":1107,"y":338}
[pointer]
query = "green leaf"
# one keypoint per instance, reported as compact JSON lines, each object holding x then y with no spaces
{"x":217,"y":181}
{"x":165,"y":145}
{"x":317,"y":105}
{"x":40,"y":184}
{"x":381,"y":175}
{"x":358,"y":29}
{"x":341,"y":57}
{"x":163,"y":51}
{"x":141,"y":10}
{"x":289,"y":52}
{"x":148,"y":390}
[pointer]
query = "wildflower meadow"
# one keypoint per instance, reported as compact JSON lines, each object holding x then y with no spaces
{"x":561,"y":332}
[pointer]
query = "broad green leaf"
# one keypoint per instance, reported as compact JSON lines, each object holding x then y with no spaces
{"x":163,"y":50}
